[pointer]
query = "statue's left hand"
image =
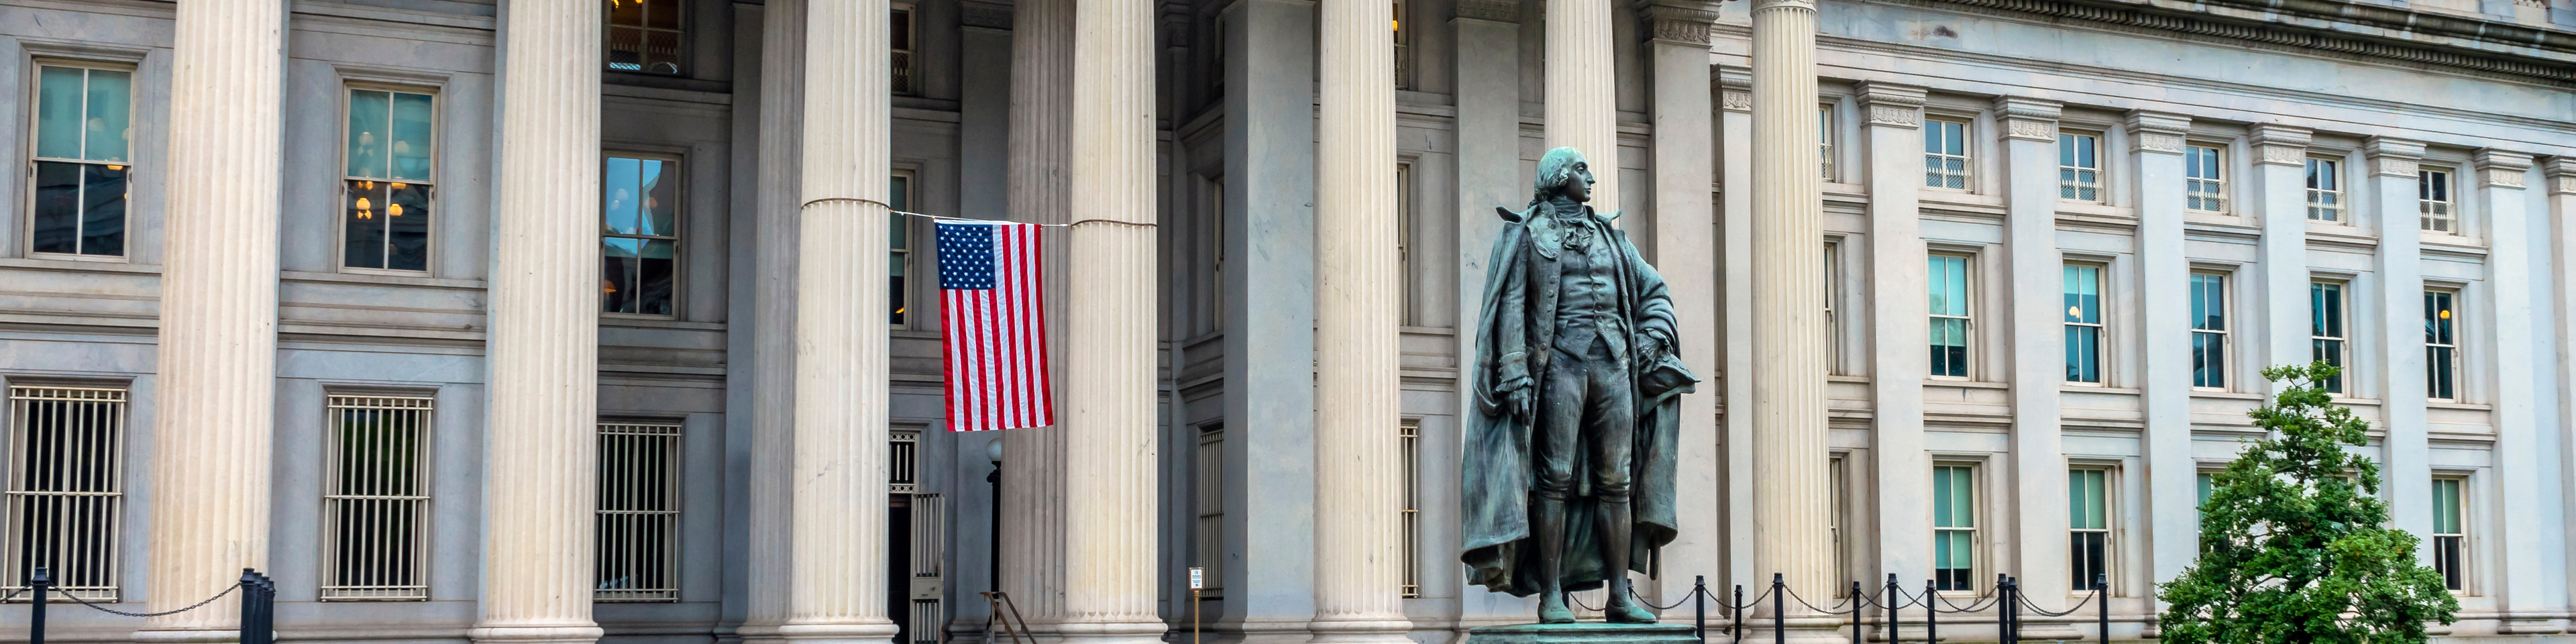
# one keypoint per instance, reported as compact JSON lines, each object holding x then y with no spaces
{"x":1651,"y":346}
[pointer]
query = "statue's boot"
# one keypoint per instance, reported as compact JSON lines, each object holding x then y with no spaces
{"x":1615,"y":523}
{"x":1550,"y":526}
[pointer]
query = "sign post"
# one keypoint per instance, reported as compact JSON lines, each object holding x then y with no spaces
{"x":1198,"y":581}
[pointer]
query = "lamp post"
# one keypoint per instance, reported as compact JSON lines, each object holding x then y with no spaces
{"x":993,"y":532}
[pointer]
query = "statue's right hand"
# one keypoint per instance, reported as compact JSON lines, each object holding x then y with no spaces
{"x":1518,"y":399}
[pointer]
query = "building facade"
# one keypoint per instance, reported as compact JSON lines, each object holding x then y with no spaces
{"x":306,"y":286}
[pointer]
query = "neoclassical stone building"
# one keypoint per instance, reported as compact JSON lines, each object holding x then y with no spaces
{"x":1977,"y":287}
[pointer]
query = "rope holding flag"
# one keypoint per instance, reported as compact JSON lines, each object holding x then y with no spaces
{"x":992,"y":318}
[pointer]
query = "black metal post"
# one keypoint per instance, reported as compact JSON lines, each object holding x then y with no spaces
{"x":249,"y":607}
{"x":993,"y":533}
{"x":1699,"y":607}
{"x":1855,"y":612}
{"x":1736,"y":610}
{"x":1931,"y":613}
{"x":36,"y":616}
{"x":2102,"y":604}
{"x":1894,"y":596}
{"x":2010,"y":618}
{"x":1779,"y":610}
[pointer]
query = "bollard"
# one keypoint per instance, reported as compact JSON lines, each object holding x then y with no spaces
{"x":1779,"y":610}
{"x":1855,"y":612}
{"x":1736,"y":610}
{"x":36,"y":616}
{"x":2102,"y":604}
{"x":2010,"y":619}
{"x":1894,"y":595}
{"x":1931,"y":614}
{"x":1699,"y":607}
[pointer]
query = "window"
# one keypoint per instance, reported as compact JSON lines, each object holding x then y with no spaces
{"x":1825,"y":140}
{"x":2325,"y":328}
{"x":644,"y":36}
{"x":2088,"y":522}
{"x":391,"y":145}
{"x":639,"y":237}
{"x":1404,"y":217}
{"x":1408,"y":441}
{"x":899,"y":243}
{"x":1834,"y":523}
{"x":903,"y":461}
{"x":2207,"y":483}
{"x":83,"y":118}
{"x":376,"y":499}
{"x":2441,"y":346}
{"x":899,"y":35}
{"x":1833,"y":326}
{"x":2079,"y":167}
{"x":2449,"y":533}
{"x":1208,"y":494}
{"x":2325,"y":190}
{"x":639,"y":512}
{"x":1950,"y":319}
{"x":1945,"y":154}
{"x":1403,"y":68}
{"x":2433,"y":201}
{"x":2204,"y":179}
{"x":1954,"y":527}
{"x":66,"y":488}
{"x":2209,"y":330}
{"x":2083,"y":324}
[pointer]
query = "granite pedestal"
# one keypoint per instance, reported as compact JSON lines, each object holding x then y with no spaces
{"x":1583,"y":633}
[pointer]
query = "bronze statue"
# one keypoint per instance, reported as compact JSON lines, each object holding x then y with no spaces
{"x":1570,"y":453}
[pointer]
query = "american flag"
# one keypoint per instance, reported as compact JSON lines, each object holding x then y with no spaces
{"x":993,"y":324}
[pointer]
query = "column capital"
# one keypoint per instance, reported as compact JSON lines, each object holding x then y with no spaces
{"x":1678,"y":22}
{"x":2151,"y":131}
{"x":1735,"y":89}
{"x":2500,"y":168}
{"x":1806,"y":5}
{"x":985,"y":14}
{"x":2277,"y":144}
{"x":1892,"y":104}
{"x":2393,"y":157}
{"x":1490,"y":10}
{"x":2029,"y":119}
{"x":2562,"y":175}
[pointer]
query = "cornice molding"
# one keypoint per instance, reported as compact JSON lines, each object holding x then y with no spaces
{"x":2322,"y":40}
{"x":2501,"y":168}
{"x":2277,"y":144}
{"x":2152,"y":131}
{"x":2028,"y":119}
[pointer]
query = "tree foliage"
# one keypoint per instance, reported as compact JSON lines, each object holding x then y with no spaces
{"x":2295,"y":543}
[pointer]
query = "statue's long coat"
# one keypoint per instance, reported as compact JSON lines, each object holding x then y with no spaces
{"x":1512,"y":340}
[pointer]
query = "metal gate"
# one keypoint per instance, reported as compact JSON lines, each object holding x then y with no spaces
{"x":929,"y":547}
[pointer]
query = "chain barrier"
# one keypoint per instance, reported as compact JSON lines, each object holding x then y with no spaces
{"x":1686,"y":597}
{"x":2070,"y":610}
{"x":227,"y":591}
{"x":1802,"y":601}
{"x":1983,"y":601}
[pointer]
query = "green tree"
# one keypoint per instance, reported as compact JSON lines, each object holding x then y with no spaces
{"x":2294,"y":541}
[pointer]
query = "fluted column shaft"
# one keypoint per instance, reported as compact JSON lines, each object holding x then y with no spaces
{"x":1109,"y":417}
{"x":773,"y":337}
{"x":1032,"y":530}
{"x":837,"y":588}
{"x":1791,"y":494}
{"x":1582,"y":91}
{"x":218,"y":354}
{"x":1358,"y":594}
{"x":540,"y":445}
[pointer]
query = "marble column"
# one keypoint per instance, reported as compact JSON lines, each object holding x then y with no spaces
{"x":2501,"y":177}
{"x":1358,"y":581}
{"x":2038,"y":367}
{"x":540,"y":446}
{"x":1898,"y":283}
{"x":2398,"y":271}
{"x":1582,"y":91}
{"x":218,"y":353}
{"x":1032,"y":530}
{"x":1791,"y":492}
{"x":2164,"y":297}
{"x":773,"y":336}
{"x":837,"y":512}
{"x":1685,"y":231}
{"x":2279,"y":190}
{"x":1107,"y":412}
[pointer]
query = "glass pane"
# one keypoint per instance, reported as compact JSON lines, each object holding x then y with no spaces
{"x":662,"y":14}
{"x":2084,"y":152}
{"x":57,"y":225}
{"x":2066,"y":150}
{"x":621,"y":200}
{"x":1932,"y":138}
{"x":895,"y":306}
{"x":110,"y":92}
{"x":407,"y":227}
{"x":1954,"y":137}
{"x":102,"y":210}
{"x":1941,"y":501}
{"x":413,"y":140}
{"x":662,"y":52}
{"x":1963,"y":554}
{"x":1963,"y":497}
{"x":2208,"y":360}
{"x":2083,"y":354}
{"x":617,"y":272}
{"x":364,"y":225}
{"x":656,"y":277}
{"x":369,"y":115}
{"x":626,"y":13}
{"x":626,"y":49}
{"x":1957,"y":173}
{"x":661,"y":198}
{"x":58,"y":112}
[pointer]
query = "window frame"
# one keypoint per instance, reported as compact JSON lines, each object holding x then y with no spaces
{"x":424,"y":442}
{"x":2100,"y":326}
{"x":1403,"y":61}
{"x":1409,"y":454}
{"x":120,"y":397}
{"x":2335,"y":204}
{"x":904,"y":73}
{"x":2071,"y":184}
{"x":1825,"y":141}
{"x":680,"y":35}
{"x":33,"y":88}
{"x":437,"y":149}
{"x":2107,"y":476}
{"x":2428,"y":182}
{"x":1967,"y":156}
{"x":678,"y":168}
{"x":675,"y":467}
{"x":2223,"y":334}
{"x":2216,"y":194}
{"x":1833,"y":322}
{"x":1974,"y":531}
{"x":2342,"y":336}
{"x":1967,"y":367}
{"x":912,"y":297}
{"x":2455,"y":364}
{"x":2456,"y":576}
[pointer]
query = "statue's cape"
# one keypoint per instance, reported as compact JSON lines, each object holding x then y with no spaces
{"x":1511,"y":337}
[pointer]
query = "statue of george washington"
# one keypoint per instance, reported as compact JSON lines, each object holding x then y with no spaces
{"x":1570,"y":451}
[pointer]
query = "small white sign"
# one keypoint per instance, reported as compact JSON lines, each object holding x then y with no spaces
{"x":1198,"y":578}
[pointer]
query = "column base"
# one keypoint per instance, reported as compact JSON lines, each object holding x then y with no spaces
{"x":875,"y":631}
{"x":1360,"y":631}
{"x":757,"y":634}
{"x":185,"y":636}
{"x":573,"y":633}
{"x":1105,"y":632}
{"x":1800,"y":630}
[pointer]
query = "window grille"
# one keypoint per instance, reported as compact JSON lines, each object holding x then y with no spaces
{"x":2441,"y":345}
{"x":1208,"y":495}
{"x":66,"y":487}
{"x":1954,"y":527}
{"x":2209,"y":330}
{"x":899,"y":35}
{"x":2083,"y":323}
{"x":385,"y":196}
{"x":2433,"y":201}
{"x":376,"y":505}
{"x":1408,"y":449}
{"x":2204,"y":179}
{"x":2450,"y":533}
{"x":2325,"y":190}
{"x":2079,"y":167}
{"x":1834,"y":523}
{"x":639,"y":513}
{"x":1945,"y":154}
{"x":645,"y":36}
{"x":2326,"y":328}
{"x":899,"y":248}
{"x":2088,"y":525}
{"x":81,"y":167}
{"x":1950,"y":315}
{"x":1825,"y":140}
{"x":639,"y":235}
{"x":902,"y":462}
{"x":929,"y":538}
